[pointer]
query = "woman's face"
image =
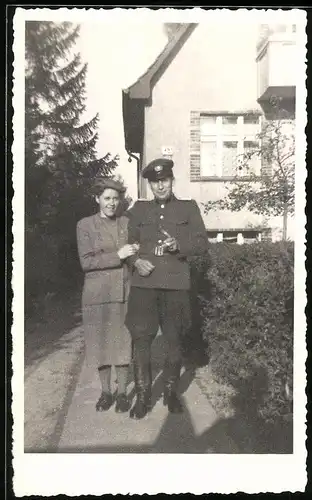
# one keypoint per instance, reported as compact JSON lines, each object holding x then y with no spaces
{"x":108,"y":202}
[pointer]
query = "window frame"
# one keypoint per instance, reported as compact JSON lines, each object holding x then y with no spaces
{"x":237,"y":234}
{"x":220,"y":137}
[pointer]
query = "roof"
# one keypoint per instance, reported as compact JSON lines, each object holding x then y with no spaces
{"x":139,"y":94}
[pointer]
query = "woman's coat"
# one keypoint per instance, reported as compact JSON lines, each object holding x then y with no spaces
{"x":105,"y":274}
{"x":106,"y":289}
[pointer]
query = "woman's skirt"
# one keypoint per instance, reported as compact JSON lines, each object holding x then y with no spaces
{"x":107,"y":339}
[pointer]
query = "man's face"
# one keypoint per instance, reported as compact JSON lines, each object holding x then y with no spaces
{"x":162,"y":189}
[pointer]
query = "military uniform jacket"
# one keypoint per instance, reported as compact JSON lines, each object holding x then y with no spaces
{"x":182,"y":220}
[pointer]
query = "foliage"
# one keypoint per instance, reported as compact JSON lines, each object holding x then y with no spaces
{"x":248,"y":311}
{"x":272,"y":193}
{"x":171,"y":29}
{"x":60,"y":153}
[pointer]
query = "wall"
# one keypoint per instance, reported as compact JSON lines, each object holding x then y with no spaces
{"x":215,"y":70}
{"x":263,"y":65}
{"x":282,"y":61}
{"x":108,"y":48}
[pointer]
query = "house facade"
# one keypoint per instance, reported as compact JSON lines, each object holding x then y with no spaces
{"x":202,"y":103}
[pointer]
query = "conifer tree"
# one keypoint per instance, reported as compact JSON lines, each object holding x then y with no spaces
{"x":60,"y":150}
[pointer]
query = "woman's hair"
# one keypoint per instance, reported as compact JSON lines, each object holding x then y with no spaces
{"x":102,"y":183}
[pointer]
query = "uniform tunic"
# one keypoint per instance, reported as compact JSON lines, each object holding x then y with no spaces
{"x":182,"y":220}
{"x":162,"y":298}
{"x":105,"y":291}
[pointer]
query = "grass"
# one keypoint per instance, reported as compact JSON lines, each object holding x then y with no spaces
{"x":219,"y":394}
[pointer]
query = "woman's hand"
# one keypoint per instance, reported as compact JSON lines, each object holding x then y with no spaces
{"x":128,"y":250}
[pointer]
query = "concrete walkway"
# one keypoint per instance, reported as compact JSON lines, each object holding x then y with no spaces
{"x":195,"y":431}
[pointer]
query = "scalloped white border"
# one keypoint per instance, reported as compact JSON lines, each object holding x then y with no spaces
{"x":53,"y":474}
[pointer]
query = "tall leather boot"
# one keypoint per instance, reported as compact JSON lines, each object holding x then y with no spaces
{"x":149,"y":387}
{"x":142,"y":388}
{"x":171,"y":398}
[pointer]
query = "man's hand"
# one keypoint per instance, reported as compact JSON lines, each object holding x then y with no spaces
{"x":144,"y":267}
{"x":172,"y":244}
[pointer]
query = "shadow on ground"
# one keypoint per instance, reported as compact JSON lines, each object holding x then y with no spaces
{"x":249,"y":431}
{"x":246,"y":429}
{"x":176,"y":436}
{"x":261,"y":437}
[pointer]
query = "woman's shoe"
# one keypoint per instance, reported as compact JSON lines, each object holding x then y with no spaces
{"x":105,"y":402}
{"x":122,"y":403}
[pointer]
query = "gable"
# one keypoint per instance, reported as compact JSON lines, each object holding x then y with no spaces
{"x":138,"y":95}
{"x":215,"y":70}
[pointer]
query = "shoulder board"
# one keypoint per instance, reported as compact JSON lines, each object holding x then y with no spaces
{"x":186,"y":199}
{"x":136,"y":202}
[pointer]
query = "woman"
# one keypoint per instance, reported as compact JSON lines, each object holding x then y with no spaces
{"x":103,"y":249}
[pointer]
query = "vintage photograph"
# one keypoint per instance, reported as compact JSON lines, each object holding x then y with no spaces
{"x":162,"y":170}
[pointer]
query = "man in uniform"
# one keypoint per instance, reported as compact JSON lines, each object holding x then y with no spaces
{"x":168,"y":231}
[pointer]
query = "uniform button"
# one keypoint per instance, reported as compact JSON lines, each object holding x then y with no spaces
{"x":162,"y":206}
{"x":161,"y":217}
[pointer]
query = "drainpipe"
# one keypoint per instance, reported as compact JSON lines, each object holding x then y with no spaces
{"x":131,"y":155}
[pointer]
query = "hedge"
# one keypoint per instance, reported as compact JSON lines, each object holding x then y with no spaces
{"x":51,"y":266}
{"x":247,"y":306}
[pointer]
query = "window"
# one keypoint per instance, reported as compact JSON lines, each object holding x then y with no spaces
{"x":229,"y":157}
{"x":208,"y":155}
{"x":229,"y":125}
{"x":236,"y":236}
{"x":212,"y":236}
{"x":252,"y":153}
{"x":226,"y":142}
{"x":229,"y":120}
{"x":230,"y":237}
{"x":251,"y":236}
{"x":253,"y":119}
{"x":208,"y":125}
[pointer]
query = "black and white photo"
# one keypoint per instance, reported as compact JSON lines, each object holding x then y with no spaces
{"x":159,"y":251}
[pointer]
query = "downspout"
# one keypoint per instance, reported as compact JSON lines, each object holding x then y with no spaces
{"x":131,"y":155}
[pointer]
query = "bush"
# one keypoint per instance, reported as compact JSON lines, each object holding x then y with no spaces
{"x":248,"y":320}
{"x":51,"y":267}
{"x":41,"y":263}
